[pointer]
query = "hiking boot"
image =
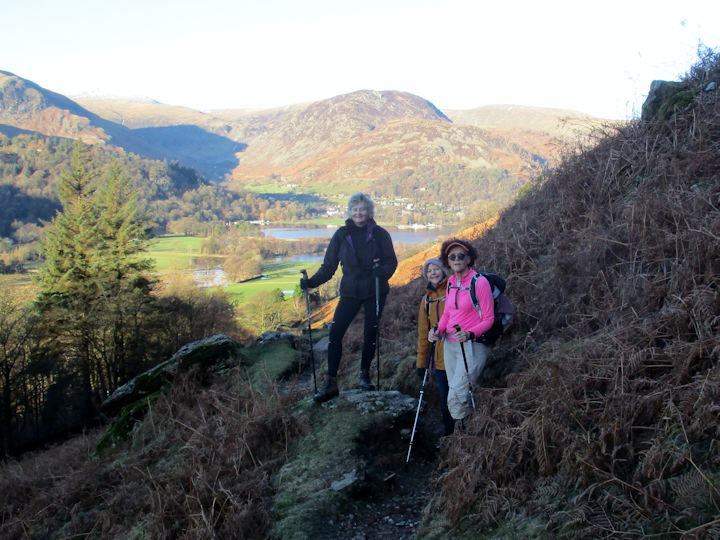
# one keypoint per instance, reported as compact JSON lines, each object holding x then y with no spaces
{"x":328,"y":392}
{"x":364,"y":381}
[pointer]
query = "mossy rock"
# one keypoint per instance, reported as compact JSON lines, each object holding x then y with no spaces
{"x":123,"y":424}
{"x":665,"y":98}
{"x":216,"y":352}
{"x":130,"y":402}
{"x":676,"y":102}
{"x":273,"y":361}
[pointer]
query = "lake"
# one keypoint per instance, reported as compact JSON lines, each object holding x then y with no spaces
{"x":215,"y":277}
{"x":406,"y":236}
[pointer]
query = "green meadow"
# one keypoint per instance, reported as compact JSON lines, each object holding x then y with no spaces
{"x":173,"y":252}
{"x":181,"y":253}
{"x":277,"y":275}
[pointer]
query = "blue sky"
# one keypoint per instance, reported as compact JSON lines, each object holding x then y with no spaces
{"x":594,"y":57}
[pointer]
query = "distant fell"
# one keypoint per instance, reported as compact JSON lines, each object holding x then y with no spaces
{"x":137,"y":113}
{"x":390,"y":142}
{"x":175,"y":134}
{"x":559,"y":122}
{"x":370,"y":137}
{"x":26,"y":105}
{"x":300,"y":133}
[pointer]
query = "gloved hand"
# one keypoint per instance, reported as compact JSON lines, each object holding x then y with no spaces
{"x":420,"y":372}
{"x":378,"y":272}
{"x":304,"y":283}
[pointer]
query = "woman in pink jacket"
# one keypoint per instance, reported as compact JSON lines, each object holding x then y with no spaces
{"x":460,"y":256}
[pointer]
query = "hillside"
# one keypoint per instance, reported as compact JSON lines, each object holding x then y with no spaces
{"x":556,"y":122}
{"x":605,"y":422}
{"x":27,"y":106}
{"x":359,"y":140}
{"x":543,"y":131}
{"x":395,"y":145}
{"x":368,"y":138}
{"x":597,"y":415}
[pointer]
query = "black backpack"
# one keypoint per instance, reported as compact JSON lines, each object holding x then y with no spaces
{"x":504,"y":310}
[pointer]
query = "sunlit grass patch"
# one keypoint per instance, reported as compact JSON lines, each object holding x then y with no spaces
{"x":175,"y":252}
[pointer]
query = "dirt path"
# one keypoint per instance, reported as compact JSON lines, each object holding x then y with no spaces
{"x":393,"y":507}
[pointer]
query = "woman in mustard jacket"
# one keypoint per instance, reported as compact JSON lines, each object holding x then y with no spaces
{"x":431,"y":309}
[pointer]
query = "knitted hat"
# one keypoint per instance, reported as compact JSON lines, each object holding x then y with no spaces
{"x":436,"y":262}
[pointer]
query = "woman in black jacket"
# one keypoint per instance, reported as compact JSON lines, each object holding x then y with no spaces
{"x":365,"y":252}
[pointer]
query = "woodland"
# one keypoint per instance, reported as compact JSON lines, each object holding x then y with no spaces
{"x":596,"y":416}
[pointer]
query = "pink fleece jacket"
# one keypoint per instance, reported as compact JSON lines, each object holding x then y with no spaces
{"x":465,"y":313}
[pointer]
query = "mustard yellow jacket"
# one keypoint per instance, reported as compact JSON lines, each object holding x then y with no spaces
{"x":434,"y":298}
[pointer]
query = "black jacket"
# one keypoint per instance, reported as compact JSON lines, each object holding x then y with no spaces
{"x":358,"y":279}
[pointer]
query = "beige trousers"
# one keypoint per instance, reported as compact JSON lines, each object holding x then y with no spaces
{"x":458,"y":401}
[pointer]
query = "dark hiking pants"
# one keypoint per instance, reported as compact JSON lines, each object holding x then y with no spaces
{"x":344,"y":314}
{"x":442,"y":382}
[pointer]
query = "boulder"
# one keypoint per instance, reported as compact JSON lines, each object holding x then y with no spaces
{"x":664,"y":98}
{"x":272,"y":336}
{"x":130,"y":402}
{"x":215,"y":352}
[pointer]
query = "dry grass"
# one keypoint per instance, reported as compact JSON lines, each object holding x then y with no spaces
{"x":609,"y":425}
{"x":197,"y":467}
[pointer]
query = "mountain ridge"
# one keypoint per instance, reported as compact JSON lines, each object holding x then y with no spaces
{"x":26,"y":105}
{"x":366,"y":140}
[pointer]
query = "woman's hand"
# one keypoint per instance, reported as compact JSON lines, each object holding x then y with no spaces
{"x":433,"y":335}
{"x":462,"y":336}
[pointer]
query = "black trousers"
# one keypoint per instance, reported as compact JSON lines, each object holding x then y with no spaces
{"x":344,"y":314}
{"x":442,"y":382}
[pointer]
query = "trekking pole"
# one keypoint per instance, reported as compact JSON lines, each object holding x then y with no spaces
{"x":307,"y":309}
{"x":417,"y":413}
{"x":431,"y":359}
{"x":467,"y":371}
{"x":377,"y":320}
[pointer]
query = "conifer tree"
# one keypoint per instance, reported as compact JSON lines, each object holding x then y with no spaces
{"x":93,"y":291}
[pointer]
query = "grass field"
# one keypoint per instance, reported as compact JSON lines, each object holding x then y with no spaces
{"x":173,"y":252}
{"x":20,"y":286}
{"x":283,"y":276}
{"x":181,"y":253}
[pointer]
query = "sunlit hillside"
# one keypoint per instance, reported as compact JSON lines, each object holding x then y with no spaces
{"x":597,"y":416}
{"x":605,"y":423}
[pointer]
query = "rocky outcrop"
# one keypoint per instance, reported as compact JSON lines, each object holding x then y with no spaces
{"x":130,"y":401}
{"x":215,"y":351}
{"x":665,"y":98}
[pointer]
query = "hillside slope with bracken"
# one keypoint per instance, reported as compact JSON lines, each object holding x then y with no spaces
{"x":606,"y":423}
{"x":371,"y":136}
{"x":362,"y":138}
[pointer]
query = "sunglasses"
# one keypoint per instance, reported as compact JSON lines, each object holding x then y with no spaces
{"x":457,"y":257}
